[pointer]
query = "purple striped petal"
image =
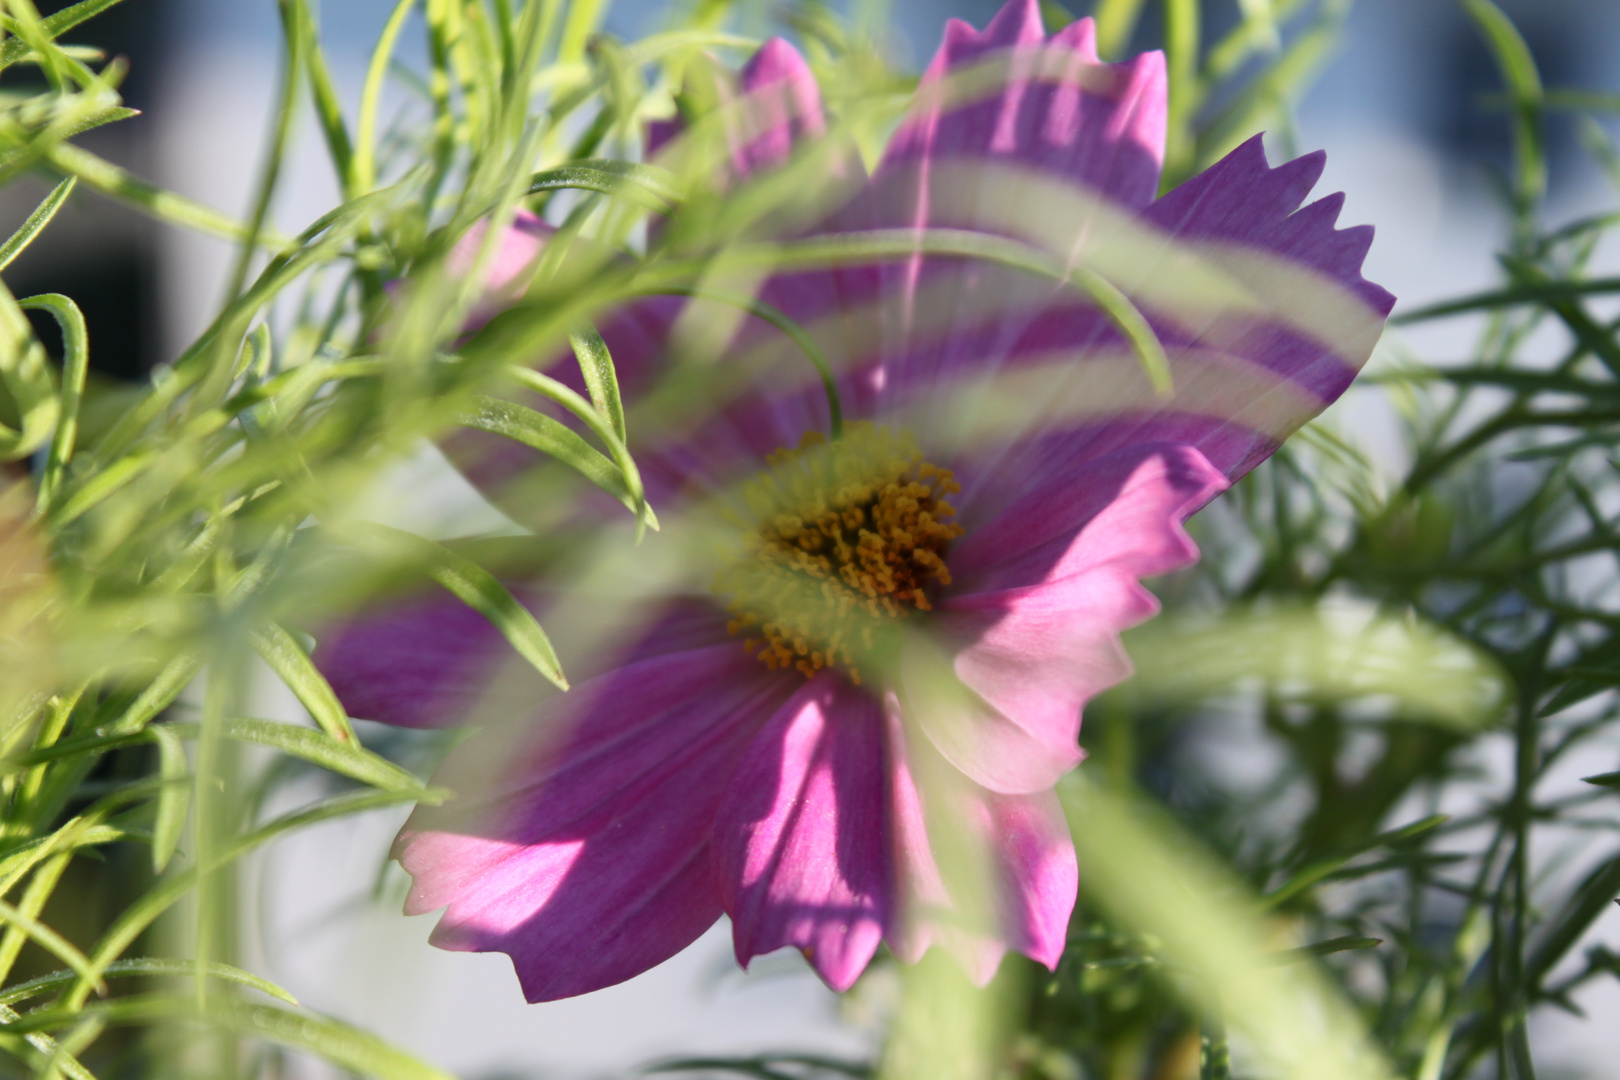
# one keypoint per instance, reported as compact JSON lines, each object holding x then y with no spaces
{"x":802,"y":851}
{"x":580,"y":843}
{"x":1011,"y":94}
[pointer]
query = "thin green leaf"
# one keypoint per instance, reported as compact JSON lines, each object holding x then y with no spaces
{"x":1054,"y":16}
{"x":473,"y":586}
{"x":1326,"y":948}
{"x":31,"y":227}
{"x":174,"y":799}
{"x":584,"y":16}
{"x":646,"y":185}
{"x":551,"y":437}
{"x":796,"y":333}
{"x":115,"y":182}
{"x":596,"y":366}
{"x":298,"y":20}
{"x":145,"y":967}
{"x":1562,"y":100}
{"x":1271,"y":95}
{"x":1321,"y":870}
{"x":337,"y":1042}
{"x":25,"y":375}
{"x":99,"y":485}
{"x":134,"y":919}
{"x":293,"y":667}
{"x":1143,"y":870}
{"x":364,"y":167}
{"x":1502,"y":298}
{"x":158,"y":695}
{"x":1567,"y":925}
{"x":598,"y":421}
{"x":1260,"y":22}
{"x":54,"y":26}
{"x":345,"y":1046}
{"x":1518,"y":70}
{"x":75,"y":368}
{"x":347,"y":759}
{"x":270,"y":172}
{"x":24,"y":22}
{"x":1116,"y":22}
{"x":77,"y":833}
{"x":1182,"y":51}
{"x":52,"y":942}
{"x":48,"y":1051}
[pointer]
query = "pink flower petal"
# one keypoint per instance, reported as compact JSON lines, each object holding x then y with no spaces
{"x":785,"y":107}
{"x":802,"y":838}
{"x":1061,"y":516}
{"x":1039,"y":872}
{"x":1054,"y":108}
{"x":583,"y":853}
{"x":1013,"y":755}
{"x":774,"y":105}
{"x":1018,"y":844}
{"x":1266,"y":319}
{"x":1045,"y":589}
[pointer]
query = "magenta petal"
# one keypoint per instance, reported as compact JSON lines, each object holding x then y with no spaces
{"x":1057,"y":516}
{"x":580,"y":843}
{"x":784,"y":107}
{"x":1010,"y":754}
{"x":774,"y":106}
{"x":1034,"y":621}
{"x":1040,"y":875}
{"x":1242,"y":198}
{"x":1019,"y":842}
{"x":419,"y":663}
{"x":801,"y":841}
{"x":1055,"y":109}
{"x":514,"y":253}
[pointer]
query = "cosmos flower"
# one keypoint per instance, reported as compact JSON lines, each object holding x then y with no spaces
{"x":890,"y":660}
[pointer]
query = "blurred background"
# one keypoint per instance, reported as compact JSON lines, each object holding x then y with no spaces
{"x":1405,"y":110}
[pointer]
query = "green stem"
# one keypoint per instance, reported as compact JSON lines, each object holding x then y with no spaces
{"x":277,"y":149}
{"x":166,"y":206}
{"x":75,"y":367}
{"x":365,"y":134}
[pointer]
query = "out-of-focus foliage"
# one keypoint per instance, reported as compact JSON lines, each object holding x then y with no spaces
{"x":1367,"y":638}
{"x":1406,"y":651}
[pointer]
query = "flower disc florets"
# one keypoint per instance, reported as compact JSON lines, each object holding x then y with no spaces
{"x":849,"y":538}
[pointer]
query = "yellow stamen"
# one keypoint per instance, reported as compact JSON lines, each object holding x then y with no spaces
{"x":850,"y":537}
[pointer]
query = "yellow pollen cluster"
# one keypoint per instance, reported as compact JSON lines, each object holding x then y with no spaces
{"x":850,"y":537}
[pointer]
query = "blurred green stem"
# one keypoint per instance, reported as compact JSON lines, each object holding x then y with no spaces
{"x":1215,"y":1053}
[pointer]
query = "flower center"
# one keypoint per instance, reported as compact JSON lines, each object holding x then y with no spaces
{"x":849,"y":539}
